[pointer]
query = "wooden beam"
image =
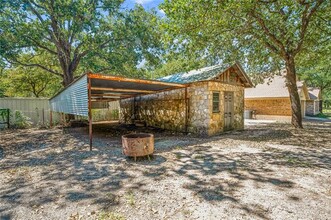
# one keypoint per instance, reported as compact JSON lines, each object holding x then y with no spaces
{"x":141,"y":81}
{"x":122,"y":90}
{"x":104,"y":100}
{"x":111,"y":95}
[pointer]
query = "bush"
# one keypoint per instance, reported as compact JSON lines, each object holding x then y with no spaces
{"x":21,"y":120}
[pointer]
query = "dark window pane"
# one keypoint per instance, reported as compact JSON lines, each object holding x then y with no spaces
{"x":216,"y":102}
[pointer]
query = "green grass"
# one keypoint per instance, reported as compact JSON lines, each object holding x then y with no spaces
{"x":110,"y":216}
{"x":130,"y":198}
{"x":326,"y":113}
{"x":323,"y":115}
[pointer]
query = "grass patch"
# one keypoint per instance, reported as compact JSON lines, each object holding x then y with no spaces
{"x":110,"y":216}
{"x":297,"y":162}
{"x":197,"y":156}
{"x":179,"y":147}
{"x":130,"y":198}
{"x":323,"y":115}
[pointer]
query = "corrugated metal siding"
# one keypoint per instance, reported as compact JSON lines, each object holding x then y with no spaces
{"x":72,"y":100}
{"x":37,"y":109}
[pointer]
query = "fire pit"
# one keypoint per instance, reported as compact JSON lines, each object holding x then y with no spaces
{"x":137,"y":145}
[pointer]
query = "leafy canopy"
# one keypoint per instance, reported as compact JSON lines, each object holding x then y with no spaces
{"x":94,"y":35}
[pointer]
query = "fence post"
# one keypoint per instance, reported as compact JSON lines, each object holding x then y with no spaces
{"x":43,"y":117}
{"x":50,"y":119}
{"x":8,"y":118}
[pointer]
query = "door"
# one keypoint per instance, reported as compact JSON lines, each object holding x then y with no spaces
{"x":228,"y":110}
{"x":303,"y":110}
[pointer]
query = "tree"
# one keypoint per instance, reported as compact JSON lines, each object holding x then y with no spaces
{"x":315,"y":67}
{"x":260,"y":32}
{"x":25,"y":81}
{"x":95,"y":33}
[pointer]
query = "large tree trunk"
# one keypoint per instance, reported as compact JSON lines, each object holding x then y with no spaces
{"x":293,"y":91}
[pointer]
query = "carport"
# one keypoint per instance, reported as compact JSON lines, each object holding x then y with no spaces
{"x":78,"y":97}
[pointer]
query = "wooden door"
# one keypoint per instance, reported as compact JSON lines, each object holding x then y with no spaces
{"x":228,"y":110}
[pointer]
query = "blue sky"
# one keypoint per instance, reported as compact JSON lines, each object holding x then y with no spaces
{"x":148,"y":4}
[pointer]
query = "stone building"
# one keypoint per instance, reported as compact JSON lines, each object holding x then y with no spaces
{"x":212,"y":102}
{"x":271,"y":99}
{"x":314,"y":103}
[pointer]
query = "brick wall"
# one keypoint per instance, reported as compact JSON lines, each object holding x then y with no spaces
{"x":274,"y":106}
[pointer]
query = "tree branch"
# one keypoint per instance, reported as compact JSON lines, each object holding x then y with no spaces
{"x":268,"y":32}
{"x":41,"y":46}
{"x":305,"y":20}
{"x":35,"y":65}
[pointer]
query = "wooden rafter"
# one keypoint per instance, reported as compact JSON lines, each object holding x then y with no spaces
{"x":111,"y":95}
{"x":122,"y":90}
{"x":141,"y":81}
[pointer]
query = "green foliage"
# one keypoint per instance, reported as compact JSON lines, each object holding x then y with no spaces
{"x":110,"y":216}
{"x":257,"y":33}
{"x":175,"y":65}
{"x":105,"y":114}
{"x":80,"y":36}
{"x":21,"y":120}
{"x":265,"y":35}
{"x":315,"y":68}
{"x":24,"y":81}
{"x":3,"y":115}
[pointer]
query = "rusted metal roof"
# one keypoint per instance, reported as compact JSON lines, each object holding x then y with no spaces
{"x":104,"y":88}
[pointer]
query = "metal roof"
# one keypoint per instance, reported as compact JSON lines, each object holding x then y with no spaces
{"x":104,"y":88}
{"x":205,"y":74}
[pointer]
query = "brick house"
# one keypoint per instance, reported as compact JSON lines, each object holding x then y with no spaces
{"x":270,"y":99}
{"x":212,"y":102}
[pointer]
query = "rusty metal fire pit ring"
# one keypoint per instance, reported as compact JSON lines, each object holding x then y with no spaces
{"x":138,"y":145}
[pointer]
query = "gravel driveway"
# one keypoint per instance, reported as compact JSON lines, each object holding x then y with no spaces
{"x":268,"y":171}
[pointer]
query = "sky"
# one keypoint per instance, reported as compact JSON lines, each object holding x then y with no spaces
{"x":148,"y":4}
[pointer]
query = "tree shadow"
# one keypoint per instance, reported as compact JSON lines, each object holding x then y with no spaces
{"x":68,"y":172}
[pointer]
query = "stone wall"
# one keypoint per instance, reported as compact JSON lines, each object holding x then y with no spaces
{"x":167,"y":109}
{"x":310,"y":107}
{"x":217,"y":119}
{"x":164,"y":110}
{"x":272,"y":106}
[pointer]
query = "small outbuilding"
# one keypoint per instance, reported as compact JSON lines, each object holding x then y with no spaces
{"x":211,"y":102}
{"x":205,"y":101}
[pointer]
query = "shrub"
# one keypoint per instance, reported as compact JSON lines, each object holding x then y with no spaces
{"x":21,"y":120}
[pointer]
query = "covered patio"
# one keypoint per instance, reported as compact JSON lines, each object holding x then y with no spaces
{"x":90,"y":90}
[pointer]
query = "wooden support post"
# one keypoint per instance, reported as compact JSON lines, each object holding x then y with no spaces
{"x":186,"y":111}
{"x":8,"y":117}
{"x":89,"y":111}
{"x":43,"y":117}
{"x":50,"y":119}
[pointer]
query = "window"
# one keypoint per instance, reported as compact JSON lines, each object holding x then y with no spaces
{"x":216,"y":102}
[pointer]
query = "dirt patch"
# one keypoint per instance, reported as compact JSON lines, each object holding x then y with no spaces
{"x":265,"y":172}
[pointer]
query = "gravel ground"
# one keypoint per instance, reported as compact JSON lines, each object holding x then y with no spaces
{"x":268,"y":171}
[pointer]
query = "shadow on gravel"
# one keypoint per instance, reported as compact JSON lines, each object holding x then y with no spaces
{"x":71,"y":173}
